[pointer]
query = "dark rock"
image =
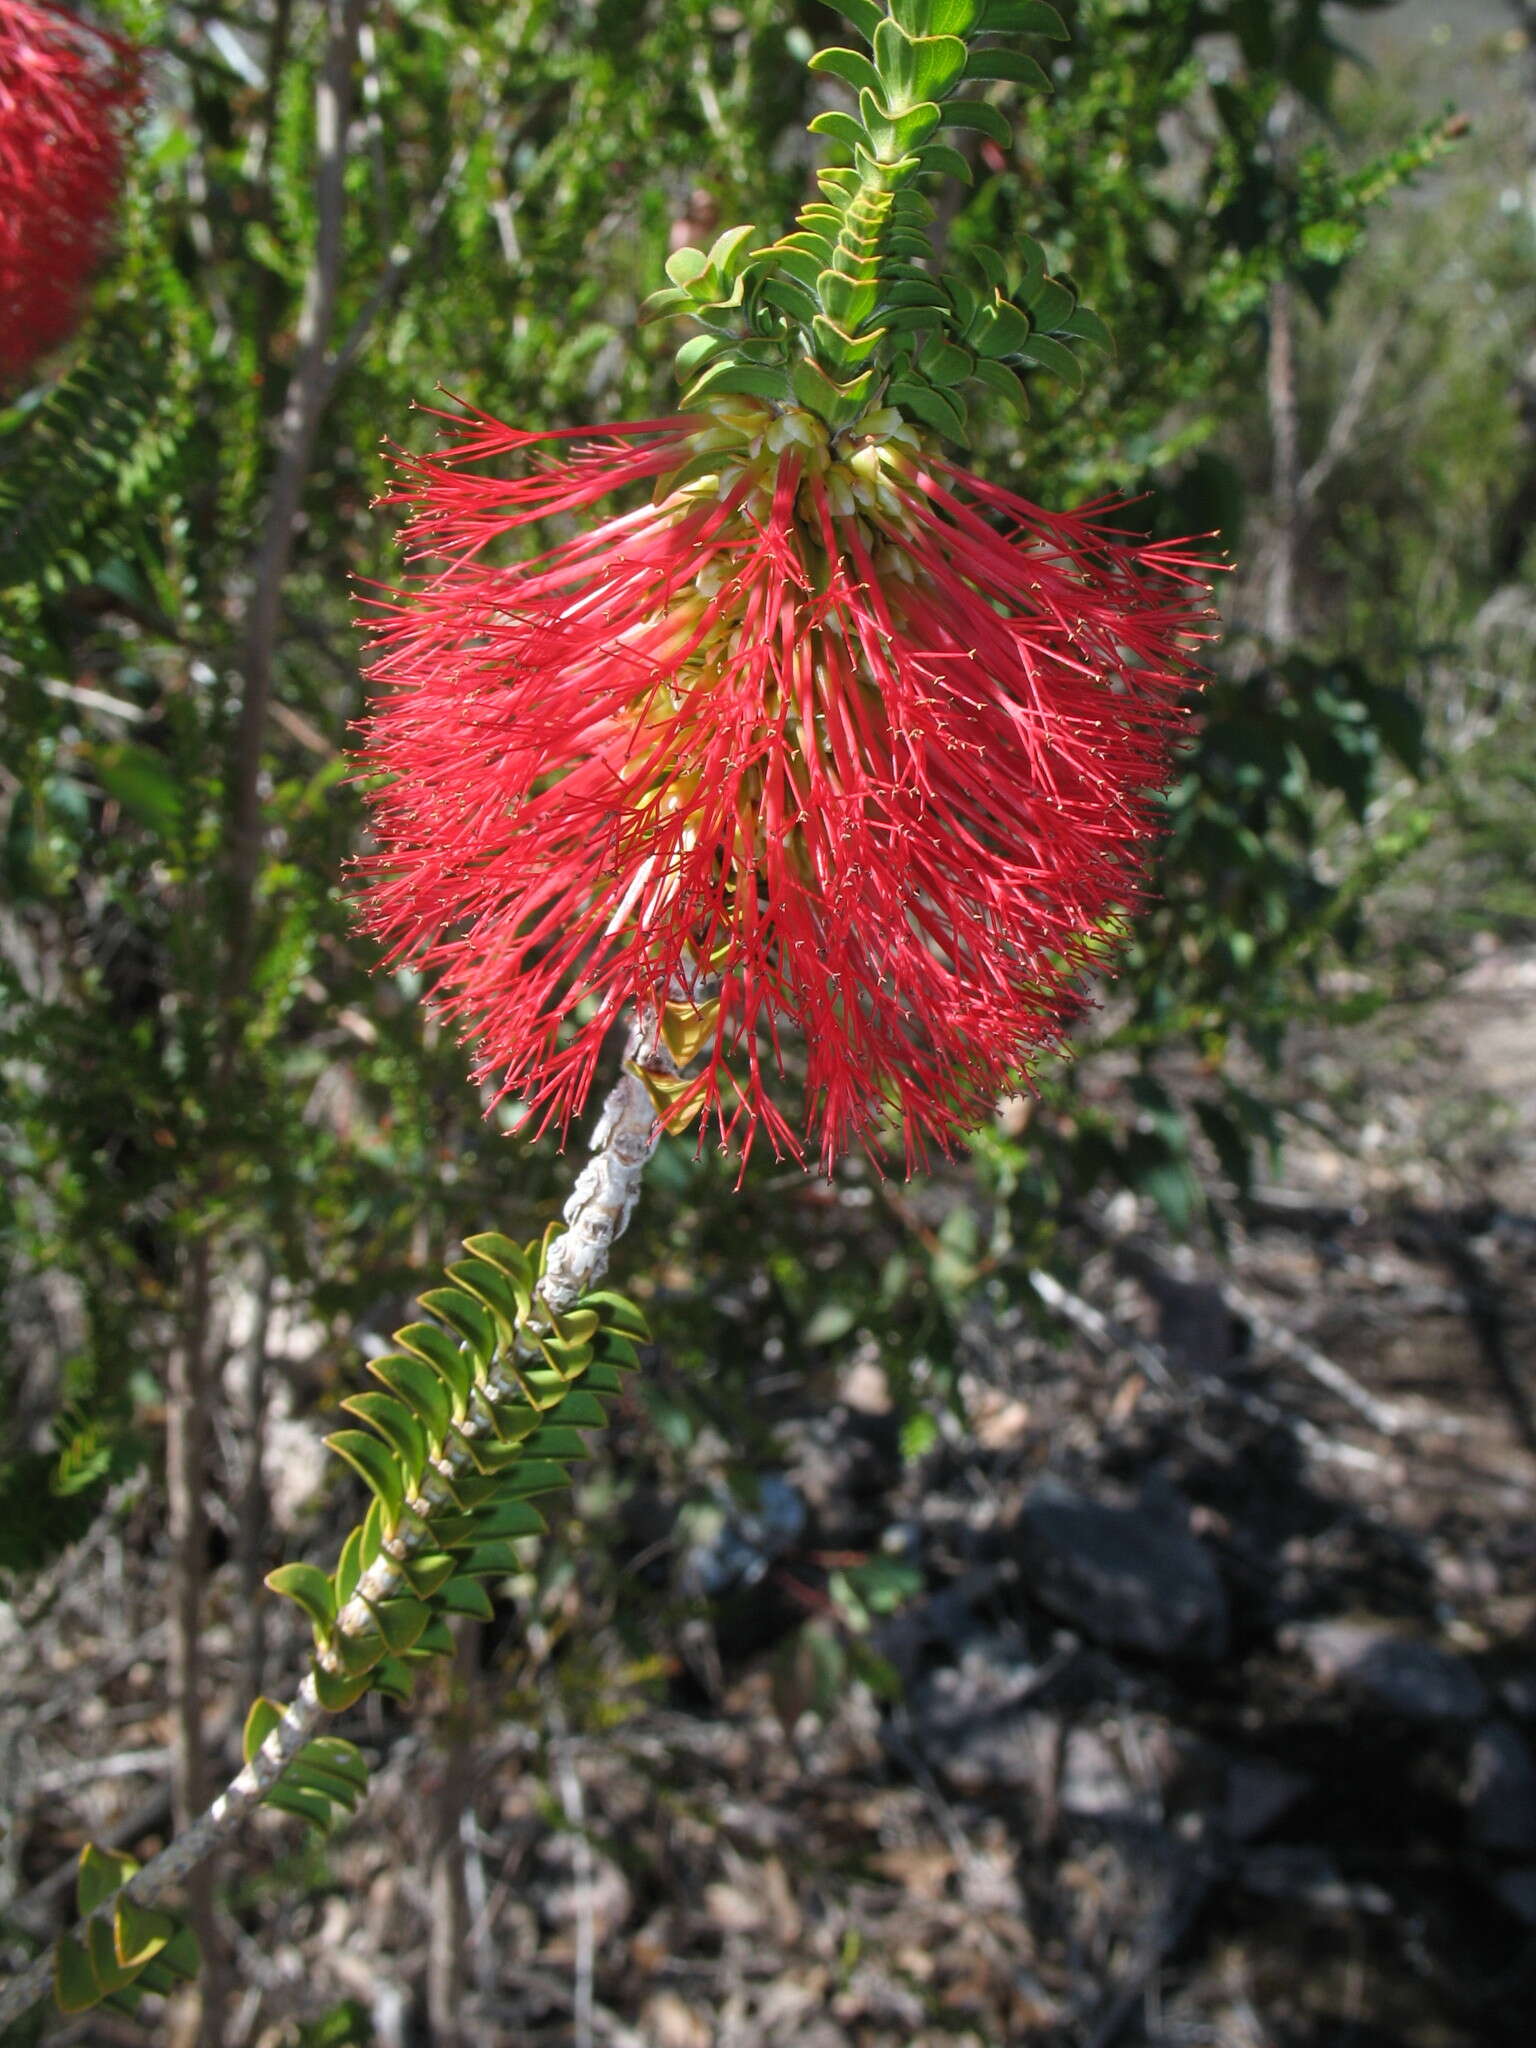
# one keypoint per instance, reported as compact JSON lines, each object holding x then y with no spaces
{"x":1257,"y":1794}
{"x":1308,"y":1874}
{"x":1516,"y":1889}
{"x":1500,"y":1791}
{"x":1132,"y":1578}
{"x":1414,"y":1679}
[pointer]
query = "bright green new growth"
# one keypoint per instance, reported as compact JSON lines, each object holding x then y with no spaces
{"x":479,"y":1410}
{"x":844,"y":315}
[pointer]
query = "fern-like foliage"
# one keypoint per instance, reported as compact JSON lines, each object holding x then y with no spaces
{"x":85,"y":455}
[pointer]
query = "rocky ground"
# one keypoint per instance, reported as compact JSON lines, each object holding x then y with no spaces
{"x":1212,"y":1718}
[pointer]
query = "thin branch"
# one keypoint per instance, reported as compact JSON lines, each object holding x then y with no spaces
{"x":297,"y":430}
{"x":583,"y":1867}
{"x":1346,"y":421}
{"x":1285,"y":465}
{"x":599,"y":1208}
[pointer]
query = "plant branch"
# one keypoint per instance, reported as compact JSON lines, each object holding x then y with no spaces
{"x":297,"y":430}
{"x":599,"y":1208}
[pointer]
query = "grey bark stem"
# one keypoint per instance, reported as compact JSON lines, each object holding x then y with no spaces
{"x":298,"y":426}
{"x":1285,"y":468}
{"x":599,"y":1208}
{"x":188,"y":1384}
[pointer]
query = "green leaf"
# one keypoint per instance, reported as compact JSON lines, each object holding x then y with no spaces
{"x":1022,"y":18}
{"x":864,"y":14}
{"x":842,"y":127}
{"x":937,"y":409}
{"x":686,"y":266}
{"x":1011,"y":64}
{"x":752,"y":380}
{"x":1002,"y":383}
{"x":312,"y":1590}
{"x":337,"y":1690}
{"x":376,"y":1466}
{"x":577,"y":1325}
{"x":837,"y":404}
{"x":358,"y":1650}
{"x":1086,"y":326}
{"x":395,"y":1424}
{"x":436,"y":1640}
{"x":616,"y":1350}
{"x":566,"y":1360}
{"x":349,"y":1568}
{"x":1053,"y":356}
{"x":139,"y":1932}
{"x":581,"y":1410}
{"x":101,"y":1873}
{"x":454,"y":1307}
{"x":140,"y":781}
{"x":110,"y":1974}
{"x":512,"y":1421}
{"x":843,"y":353}
{"x":943,"y":363}
{"x":1049,"y":304}
{"x":263,"y":1717}
{"x":553,"y":1441}
{"x":420,"y":1387}
{"x":469,"y":1489}
{"x":849,"y":66}
{"x":849,"y":301}
{"x":490,"y":1456}
{"x":697,"y":351}
{"x":915,"y":68}
{"x":309,"y":1774}
{"x":937,"y":17}
{"x":728,"y":251}
{"x":178,"y":1961}
{"x":393,"y":1679}
{"x":662,"y":304}
{"x":466,"y":1596}
{"x":400,"y":1620}
{"x":504,"y":1520}
{"x":427,"y":1571}
{"x":340,"y":1758}
{"x":618,"y":1313}
{"x":895,"y":135}
{"x":491,"y":1560}
{"x":434,"y":1347}
{"x":75,"y":1988}
{"x":979,"y":114}
{"x":602,"y":1376}
{"x":313,"y":1807}
{"x":534,"y":1475}
{"x":999,"y":330}
{"x":945,"y":162}
{"x":507,"y":1302}
{"x":496,"y":1250}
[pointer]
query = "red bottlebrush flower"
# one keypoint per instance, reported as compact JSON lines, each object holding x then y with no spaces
{"x":829,"y":734}
{"x":67,"y":94}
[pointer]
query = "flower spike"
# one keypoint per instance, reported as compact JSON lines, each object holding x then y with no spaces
{"x":67,"y":96}
{"x":805,"y":731}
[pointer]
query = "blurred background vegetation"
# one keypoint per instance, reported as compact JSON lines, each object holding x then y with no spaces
{"x":232,"y":1152}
